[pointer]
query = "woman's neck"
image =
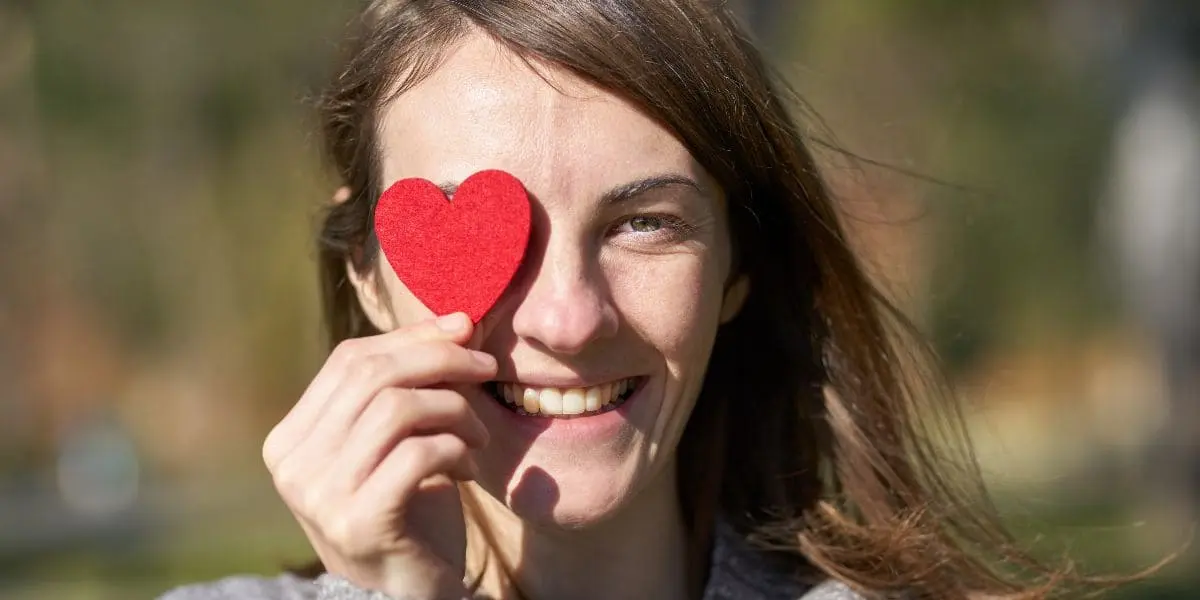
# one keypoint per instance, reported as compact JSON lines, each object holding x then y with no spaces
{"x":639,"y":552}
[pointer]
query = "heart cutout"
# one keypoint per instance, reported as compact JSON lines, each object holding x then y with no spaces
{"x":455,"y":254}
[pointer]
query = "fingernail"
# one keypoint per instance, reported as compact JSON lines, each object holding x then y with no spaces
{"x":452,"y":323}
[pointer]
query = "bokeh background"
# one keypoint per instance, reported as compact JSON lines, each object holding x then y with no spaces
{"x":1023,"y":175}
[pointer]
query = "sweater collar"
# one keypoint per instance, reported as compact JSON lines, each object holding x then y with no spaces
{"x":740,"y":571}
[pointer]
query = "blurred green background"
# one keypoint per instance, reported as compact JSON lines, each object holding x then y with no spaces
{"x":159,"y":181}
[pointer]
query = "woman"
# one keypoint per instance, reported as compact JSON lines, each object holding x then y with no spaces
{"x":686,"y":267}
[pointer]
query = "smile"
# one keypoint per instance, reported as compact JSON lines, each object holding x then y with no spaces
{"x":564,"y":403}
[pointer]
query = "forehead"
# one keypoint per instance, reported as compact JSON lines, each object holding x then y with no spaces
{"x":484,"y":108}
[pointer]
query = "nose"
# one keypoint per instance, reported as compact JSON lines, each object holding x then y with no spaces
{"x":566,"y":305}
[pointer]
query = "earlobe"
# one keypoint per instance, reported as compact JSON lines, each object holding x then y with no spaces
{"x":735,"y":298}
{"x":372,"y":299}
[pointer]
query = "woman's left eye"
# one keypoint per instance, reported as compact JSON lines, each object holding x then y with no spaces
{"x":645,"y":224}
{"x":656,"y":225}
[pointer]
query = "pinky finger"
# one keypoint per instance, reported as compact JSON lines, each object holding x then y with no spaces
{"x":409,"y":463}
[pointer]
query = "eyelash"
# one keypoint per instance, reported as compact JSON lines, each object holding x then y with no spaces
{"x":671,"y":227}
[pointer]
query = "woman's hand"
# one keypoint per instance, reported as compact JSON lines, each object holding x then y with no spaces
{"x":367,"y":459}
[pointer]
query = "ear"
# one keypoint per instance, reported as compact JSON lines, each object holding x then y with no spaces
{"x":735,"y":298}
{"x":371,"y":296}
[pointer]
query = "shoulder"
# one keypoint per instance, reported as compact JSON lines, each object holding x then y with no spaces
{"x":245,"y":587}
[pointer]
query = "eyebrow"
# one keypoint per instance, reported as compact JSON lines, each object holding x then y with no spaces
{"x":633,"y":189}
{"x":623,"y":192}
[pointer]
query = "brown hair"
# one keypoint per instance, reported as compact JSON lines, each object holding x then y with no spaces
{"x":852,"y":461}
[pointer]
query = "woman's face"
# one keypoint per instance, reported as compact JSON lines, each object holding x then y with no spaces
{"x":616,"y":307}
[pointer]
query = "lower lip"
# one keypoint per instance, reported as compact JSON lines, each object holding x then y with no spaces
{"x":601,"y":426}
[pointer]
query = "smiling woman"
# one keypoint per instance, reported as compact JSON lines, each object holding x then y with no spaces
{"x":688,"y":390}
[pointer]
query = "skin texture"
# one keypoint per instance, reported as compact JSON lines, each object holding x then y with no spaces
{"x":609,"y":290}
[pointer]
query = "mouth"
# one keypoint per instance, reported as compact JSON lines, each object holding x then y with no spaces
{"x":564,"y":403}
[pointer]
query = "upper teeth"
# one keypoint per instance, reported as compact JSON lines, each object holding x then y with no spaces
{"x":557,"y":401}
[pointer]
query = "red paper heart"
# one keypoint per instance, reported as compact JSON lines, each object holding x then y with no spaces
{"x":460,"y":254}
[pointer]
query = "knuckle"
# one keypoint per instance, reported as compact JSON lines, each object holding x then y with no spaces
{"x":271,"y":450}
{"x":390,"y":415}
{"x":456,"y":405}
{"x":392,"y":405}
{"x":445,"y":446}
{"x":275,"y":447}
{"x":288,"y":483}
{"x":313,"y":500}
{"x":455,"y":446}
{"x":417,"y":453}
{"x":347,"y":351}
{"x":388,"y":397}
{"x":442,"y":356}
{"x":343,"y":531}
{"x":368,"y":366}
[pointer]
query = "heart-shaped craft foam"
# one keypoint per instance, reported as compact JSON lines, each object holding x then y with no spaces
{"x":455,"y":254}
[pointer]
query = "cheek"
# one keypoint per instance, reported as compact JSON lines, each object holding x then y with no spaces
{"x":670,"y":302}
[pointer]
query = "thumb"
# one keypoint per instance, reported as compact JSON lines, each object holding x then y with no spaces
{"x":481,"y":331}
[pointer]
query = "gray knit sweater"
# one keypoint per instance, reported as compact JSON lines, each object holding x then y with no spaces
{"x":738,"y":573}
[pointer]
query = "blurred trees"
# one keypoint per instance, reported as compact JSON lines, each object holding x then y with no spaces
{"x":181,"y":179}
{"x":986,"y":100}
{"x":21,"y":214}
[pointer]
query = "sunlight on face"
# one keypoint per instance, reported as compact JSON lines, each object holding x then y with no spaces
{"x":623,"y":280}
